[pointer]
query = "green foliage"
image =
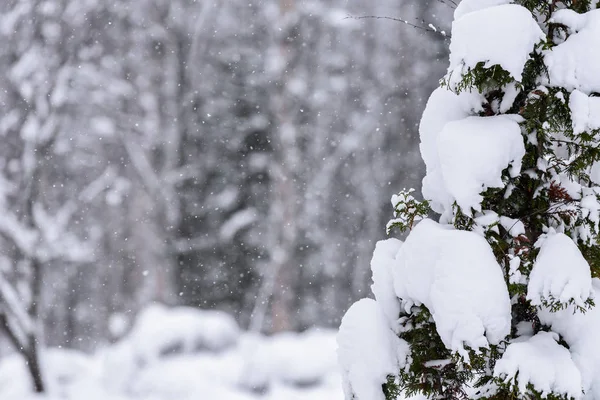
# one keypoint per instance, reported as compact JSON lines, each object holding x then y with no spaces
{"x":591,"y":253}
{"x":461,"y":220}
{"x":535,"y":6}
{"x":555,"y":305}
{"x":481,"y":78}
{"x":546,"y":8}
{"x":509,"y":390}
{"x":391,"y":389}
{"x":407,"y":211}
{"x":579,"y":6}
{"x":434,"y":370}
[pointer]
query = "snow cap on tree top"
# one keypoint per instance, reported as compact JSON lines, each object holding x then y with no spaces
{"x":503,"y":35}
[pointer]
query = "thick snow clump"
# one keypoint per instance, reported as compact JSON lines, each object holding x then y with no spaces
{"x":510,"y":50}
{"x":465,"y":155}
{"x":368,"y":350}
{"x":474,"y":151}
{"x":542,"y":362}
{"x":575,"y":64}
{"x":382,"y":265}
{"x":560,"y":273}
{"x":442,"y":107}
{"x":585,"y":112}
{"x":580,"y":331}
{"x":455,"y":275}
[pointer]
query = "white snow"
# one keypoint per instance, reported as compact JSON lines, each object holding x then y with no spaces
{"x":442,"y":107}
{"x":382,"y":265}
{"x":595,"y":173}
{"x":542,"y":362}
{"x":287,"y":357}
{"x":159,"y":331}
{"x":585,"y":112}
{"x":456,"y":276}
{"x":559,"y":273}
{"x":284,"y":359}
{"x":295,"y":366}
{"x":513,"y":226}
{"x":580,"y":331}
{"x":368,"y":351}
{"x":590,"y":209}
{"x":510,"y":50}
{"x":474,"y":151}
{"x":468,"y":6}
{"x":511,"y":92}
{"x":575,"y":63}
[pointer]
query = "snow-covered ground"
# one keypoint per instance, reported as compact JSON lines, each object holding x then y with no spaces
{"x":184,"y":354}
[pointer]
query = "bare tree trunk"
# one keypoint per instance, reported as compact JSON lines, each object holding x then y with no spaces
{"x":282,"y":254}
{"x":30,"y":351}
{"x":33,"y":364}
{"x":279,"y":273}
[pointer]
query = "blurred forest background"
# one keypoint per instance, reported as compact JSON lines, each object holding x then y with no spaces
{"x":232,"y":154}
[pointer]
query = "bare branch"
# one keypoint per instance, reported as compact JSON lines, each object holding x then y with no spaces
{"x":17,"y":342}
{"x":449,"y":3}
{"x":427,"y":28}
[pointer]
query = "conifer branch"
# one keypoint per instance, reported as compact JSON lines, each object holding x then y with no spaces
{"x":579,"y":145}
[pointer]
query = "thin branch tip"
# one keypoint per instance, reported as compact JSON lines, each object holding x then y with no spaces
{"x":425,"y":27}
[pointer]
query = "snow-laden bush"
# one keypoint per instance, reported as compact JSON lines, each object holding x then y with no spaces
{"x":161,"y":331}
{"x":495,"y":300}
{"x":299,"y":360}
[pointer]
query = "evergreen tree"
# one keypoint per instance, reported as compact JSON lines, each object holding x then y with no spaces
{"x":510,"y":140}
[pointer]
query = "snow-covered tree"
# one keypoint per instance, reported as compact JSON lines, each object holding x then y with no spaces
{"x":495,"y":300}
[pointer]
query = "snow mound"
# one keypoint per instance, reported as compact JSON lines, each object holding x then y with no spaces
{"x":474,"y":151}
{"x":382,"y":263}
{"x":61,"y":367}
{"x":585,"y":112}
{"x":580,"y":331}
{"x":160,"y":331}
{"x":442,"y":107}
{"x":368,"y":351}
{"x":285,"y":359}
{"x":510,"y":50}
{"x":296,"y":360}
{"x":542,"y":362}
{"x":575,"y":63}
{"x":455,"y":275}
{"x":560,"y":273}
{"x":292,"y":359}
{"x":468,"y":6}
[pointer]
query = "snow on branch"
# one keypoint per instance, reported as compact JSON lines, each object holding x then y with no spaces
{"x":14,"y":311}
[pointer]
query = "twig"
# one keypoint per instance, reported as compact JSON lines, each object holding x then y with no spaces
{"x":445,"y":2}
{"x":429,"y":28}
